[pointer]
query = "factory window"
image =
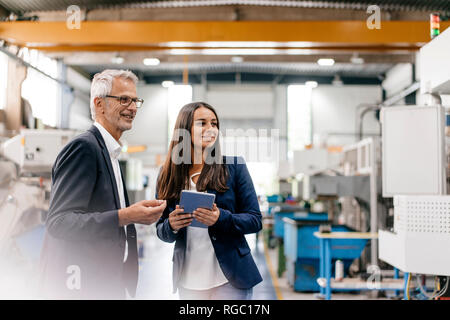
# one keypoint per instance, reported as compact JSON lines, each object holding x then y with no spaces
{"x":178,"y":96}
{"x":263,"y":174}
{"x":259,"y":149}
{"x":41,"y":91}
{"x":3,"y":79}
{"x":299,"y":117}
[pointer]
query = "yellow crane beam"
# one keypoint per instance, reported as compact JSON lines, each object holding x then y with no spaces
{"x":145,"y":35}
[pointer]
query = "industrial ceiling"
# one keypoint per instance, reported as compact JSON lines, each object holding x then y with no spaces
{"x":292,"y":36}
{"x":394,"y":5}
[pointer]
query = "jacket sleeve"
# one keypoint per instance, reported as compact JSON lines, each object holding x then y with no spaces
{"x":74,"y":176}
{"x":163,"y":229}
{"x":248,"y":217}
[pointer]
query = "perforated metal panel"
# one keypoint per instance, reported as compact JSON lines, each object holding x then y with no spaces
{"x":422,"y":214}
{"x":422,"y":235}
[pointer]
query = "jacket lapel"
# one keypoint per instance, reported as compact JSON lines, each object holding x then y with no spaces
{"x":127,"y":202}
{"x":107,"y":159}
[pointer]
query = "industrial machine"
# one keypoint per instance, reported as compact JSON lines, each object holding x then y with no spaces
{"x":35,"y":151}
{"x":416,"y":175}
{"x":25,"y":170}
{"x":337,"y":190}
{"x":303,"y":254}
{"x":26,"y":167}
{"x":349,"y":185}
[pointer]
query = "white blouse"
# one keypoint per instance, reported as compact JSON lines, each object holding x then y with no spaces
{"x":201,"y":270}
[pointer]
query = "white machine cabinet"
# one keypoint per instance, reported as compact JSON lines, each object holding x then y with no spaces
{"x":434,"y":65}
{"x":414,"y":163}
{"x":413,"y":150}
{"x":36,"y":150}
{"x":421,"y":239}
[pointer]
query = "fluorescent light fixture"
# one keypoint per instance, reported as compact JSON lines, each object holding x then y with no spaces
{"x":337,"y":81}
{"x":325,"y":62}
{"x":167,"y":84}
{"x":241,"y":44}
{"x":182,"y":52}
{"x":151,"y":61}
{"x":237,"y":59}
{"x":237,"y":51}
{"x":241,"y":52}
{"x":311,"y":84}
{"x":235,"y":44}
{"x":356,"y":59}
{"x":117,"y":60}
{"x":178,"y":44}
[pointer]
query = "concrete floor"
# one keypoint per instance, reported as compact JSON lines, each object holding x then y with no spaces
{"x":155,"y":274}
{"x":155,"y":278}
{"x":155,"y":270}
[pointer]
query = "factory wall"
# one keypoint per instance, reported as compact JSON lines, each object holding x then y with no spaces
{"x":257,"y":106}
{"x":150,"y":124}
{"x":238,"y":107}
{"x":334,"y":111}
{"x":80,"y":115}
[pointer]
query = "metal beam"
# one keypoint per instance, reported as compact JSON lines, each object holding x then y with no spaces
{"x":228,"y":13}
{"x":297,"y":34}
{"x":29,"y":65}
{"x":136,"y":57}
{"x":248,"y":77}
{"x":202,"y":49}
{"x":396,"y":98}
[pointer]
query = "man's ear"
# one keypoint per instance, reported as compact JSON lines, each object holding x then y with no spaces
{"x":99,"y":104}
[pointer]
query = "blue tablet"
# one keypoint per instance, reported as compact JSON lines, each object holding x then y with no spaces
{"x":191,"y":200}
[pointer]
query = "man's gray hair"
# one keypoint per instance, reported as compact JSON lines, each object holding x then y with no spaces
{"x":101,"y":85}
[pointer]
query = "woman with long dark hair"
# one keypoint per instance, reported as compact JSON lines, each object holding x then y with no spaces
{"x":211,"y":258}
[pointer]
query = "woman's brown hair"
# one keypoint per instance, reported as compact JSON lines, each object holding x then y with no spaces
{"x":175,"y":177}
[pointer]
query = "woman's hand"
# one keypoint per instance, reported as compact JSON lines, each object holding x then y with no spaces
{"x":208,"y":217}
{"x":178,"y":220}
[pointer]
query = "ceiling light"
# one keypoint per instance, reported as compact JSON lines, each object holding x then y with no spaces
{"x":117,"y":60}
{"x":355,"y":59}
{"x":325,"y":62}
{"x":181,"y":52}
{"x":237,"y":51}
{"x":237,"y":59}
{"x":233,"y":44}
{"x":311,"y":84}
{"x":151,"y":61}
{"x":167,"y":84}
{"x":337,"y":81}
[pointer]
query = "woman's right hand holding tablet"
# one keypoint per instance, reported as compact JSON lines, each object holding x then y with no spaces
{"x":178,"y":220}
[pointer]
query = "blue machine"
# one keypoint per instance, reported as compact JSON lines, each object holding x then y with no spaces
{"x":298,"y":216}
{"x":275,"y":198}
{"x":302,"y":251}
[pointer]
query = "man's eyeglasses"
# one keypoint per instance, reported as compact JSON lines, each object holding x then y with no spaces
{"x":126,"y":100}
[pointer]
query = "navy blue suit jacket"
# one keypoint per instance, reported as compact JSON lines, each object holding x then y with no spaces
{"x":239,"y":215}
{"x":82,"y":226}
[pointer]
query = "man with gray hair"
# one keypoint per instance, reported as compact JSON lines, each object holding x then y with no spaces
{"x":90,"y":249}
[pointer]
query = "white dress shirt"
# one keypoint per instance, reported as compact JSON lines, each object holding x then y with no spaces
{"x":114,"y":148}
{"x":201,"y":270}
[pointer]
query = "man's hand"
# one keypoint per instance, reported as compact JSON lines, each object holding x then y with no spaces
{"x":178,"y":220}
{"x":143,"y":212}
{"x":208,"y":217}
